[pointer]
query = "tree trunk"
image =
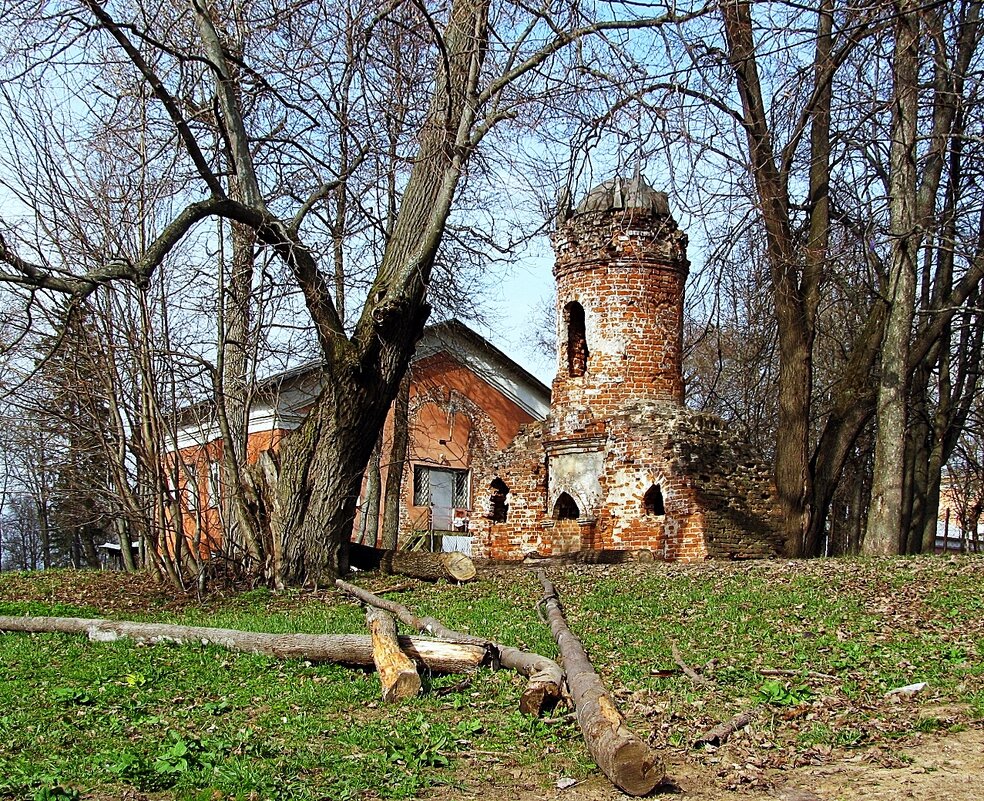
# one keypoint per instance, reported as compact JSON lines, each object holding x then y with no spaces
{"x":417,"y":564}
{"x":397,"y":466}
{"x":323,"y":461}
{"x":369,"y":525}
{"x":883,"y":534}
{"x":345,"y":649}
{"x":545,"y":676}
{"x":397,"y":674}
{"x":627,"y":761}
{"x":795,"y":300}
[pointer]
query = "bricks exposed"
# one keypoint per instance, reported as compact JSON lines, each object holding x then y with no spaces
{"x":645,"y":473}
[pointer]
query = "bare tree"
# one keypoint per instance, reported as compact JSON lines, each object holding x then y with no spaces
{"x":291,"y":162}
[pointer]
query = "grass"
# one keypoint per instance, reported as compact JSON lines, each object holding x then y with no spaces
{"x":202,"y":723}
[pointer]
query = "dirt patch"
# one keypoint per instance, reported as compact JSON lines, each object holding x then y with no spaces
{"x":935,"y":768}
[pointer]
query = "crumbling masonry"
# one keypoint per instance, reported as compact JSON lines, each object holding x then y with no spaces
{"x":620,"y":463}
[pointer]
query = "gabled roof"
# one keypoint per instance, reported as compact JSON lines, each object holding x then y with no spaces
{"x":280,"y":398}
{"x":488,"y":363}
{"x":464,"y":345}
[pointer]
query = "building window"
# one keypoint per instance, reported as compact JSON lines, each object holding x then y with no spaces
{"x":433,"y":486}
{"x":566,"y":508}
{"x":499,"y":508}
{"x":214,"y":484}
{"x":652,"y":501}
{"x":577,"y":340}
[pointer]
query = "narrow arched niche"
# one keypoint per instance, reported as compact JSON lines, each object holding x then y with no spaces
{"x":566,"y":508}
{"x":652,"y":501}
{"x":577,"y":340}
{"x":499,"y":507}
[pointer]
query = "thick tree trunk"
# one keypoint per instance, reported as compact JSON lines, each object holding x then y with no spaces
{"x":545,"y":676}
{"x":345,"y":649}
{"x":397,"y":673}
{"x":417,"y":564}
{"x":884,"y":535}
{"x":323,"y":461}
{"x":627,"y":761}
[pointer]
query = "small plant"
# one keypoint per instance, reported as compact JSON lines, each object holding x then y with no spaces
{"x":422,"y":748}
{"x":57,"y":792}
{"x":136,"y":680}
{"x":136,"y":770}
{"x":776,"y":693}
{"x":71,"y":696}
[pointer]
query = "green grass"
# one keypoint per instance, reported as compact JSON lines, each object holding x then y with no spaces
{"x":201,"y":723}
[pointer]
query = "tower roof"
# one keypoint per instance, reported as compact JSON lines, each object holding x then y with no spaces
{"x":627,"y":194}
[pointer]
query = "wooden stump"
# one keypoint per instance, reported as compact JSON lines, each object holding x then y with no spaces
{"x":545,"y":676}
{"x":397,"y":674}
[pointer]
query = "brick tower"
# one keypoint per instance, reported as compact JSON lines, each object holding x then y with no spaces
{"x":621,"y":266}
{"x":620,"y":464}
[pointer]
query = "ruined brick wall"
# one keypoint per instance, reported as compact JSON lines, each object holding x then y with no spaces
{"x":522,"y":467}
{"x":720,"y":501}
{"x":627,"y":271}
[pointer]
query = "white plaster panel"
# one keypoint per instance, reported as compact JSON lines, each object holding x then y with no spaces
{"x":577,"y":475}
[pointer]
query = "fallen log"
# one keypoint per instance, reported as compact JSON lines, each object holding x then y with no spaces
{"x":437,"y":656}
{"x":397,"y":673}
{"x":416,"y":564}
{"x":545,"y":676}
{"x":720,"y":733}
{"x":628,"y":762}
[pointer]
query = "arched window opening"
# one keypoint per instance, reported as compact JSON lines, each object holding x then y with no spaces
{"x":499,"y":507}
{"x":577,"y":341}
{"x":652,"y":501}
{"x":566,"y":508}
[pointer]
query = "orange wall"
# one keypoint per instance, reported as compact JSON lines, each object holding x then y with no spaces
{"x":438,"y":437}
{"x":206,"y":526}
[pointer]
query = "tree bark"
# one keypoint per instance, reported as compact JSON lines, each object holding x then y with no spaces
{"x":884,"y":532}
{"x":344,"y":649}
{"x":545,"y":676}
{"x":427,"y":566}
{"x":627,"y":761}
{"x":397,"y":466}
{"x":397,"y":673}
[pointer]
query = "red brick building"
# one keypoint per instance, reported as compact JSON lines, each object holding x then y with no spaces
{"x":468,"y":400}
{"x":620,"y":463}
{"x":613,"y":460}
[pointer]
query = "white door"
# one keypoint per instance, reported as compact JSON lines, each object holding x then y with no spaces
{"x":441,"y":491}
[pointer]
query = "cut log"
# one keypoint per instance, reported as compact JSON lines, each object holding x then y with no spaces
{"x":627,"y":761}
{"x":344,"y":649}
{"x":545,"y":676}
{"x":397,"y":673}
{"x":422,"y":565}
{"x":720,"y":733}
